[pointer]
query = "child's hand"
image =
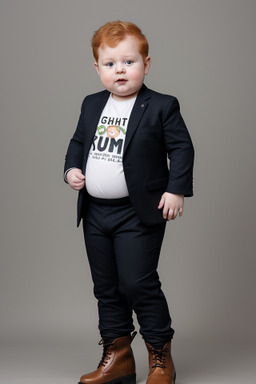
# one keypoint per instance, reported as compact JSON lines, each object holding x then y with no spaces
{"x":172,"y":205}
{"x":76,"y":179}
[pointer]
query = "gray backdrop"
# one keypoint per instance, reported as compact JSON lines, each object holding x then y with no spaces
{"x":203,"y":52}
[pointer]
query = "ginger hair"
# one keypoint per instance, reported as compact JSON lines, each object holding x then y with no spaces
{"x":113,"y":32}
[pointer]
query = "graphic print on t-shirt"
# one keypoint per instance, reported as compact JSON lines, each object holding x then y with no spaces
{"x":109,"y":139}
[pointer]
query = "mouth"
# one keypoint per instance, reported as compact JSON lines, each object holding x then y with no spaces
{"x":121,"y":81}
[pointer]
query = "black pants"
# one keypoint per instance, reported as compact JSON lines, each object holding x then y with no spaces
{"x":123,"y":254}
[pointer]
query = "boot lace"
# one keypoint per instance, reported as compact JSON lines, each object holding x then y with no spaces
{"x":105,"y":354}
{"x":158,"y":358}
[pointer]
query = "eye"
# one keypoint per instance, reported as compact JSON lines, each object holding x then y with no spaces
{"x":109,"y":65}
{"x":128,"y":62}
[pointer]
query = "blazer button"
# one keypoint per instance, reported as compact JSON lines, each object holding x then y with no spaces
{"x":142,"y":105}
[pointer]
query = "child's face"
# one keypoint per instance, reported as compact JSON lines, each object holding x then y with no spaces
{"x":122,"y":68}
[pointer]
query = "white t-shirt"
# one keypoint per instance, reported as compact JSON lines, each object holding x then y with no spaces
{"x":104,"y":175}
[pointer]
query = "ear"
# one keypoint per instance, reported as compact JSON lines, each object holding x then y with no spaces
{"x":147,"y":64}
{"x":96,"y":67}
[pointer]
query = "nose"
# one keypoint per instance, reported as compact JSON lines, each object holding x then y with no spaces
{"x":120,"y":68}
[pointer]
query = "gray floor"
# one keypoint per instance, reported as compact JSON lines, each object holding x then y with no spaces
{"x":204,"y":362}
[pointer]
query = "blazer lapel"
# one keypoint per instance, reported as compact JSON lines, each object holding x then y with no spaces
{"x":91,"y":125}
{"x":96,"y":110}
{"x":138,"y":110}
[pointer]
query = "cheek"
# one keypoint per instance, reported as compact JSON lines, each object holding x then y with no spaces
{"x":137,"y":76}
{"x":105,"y":77}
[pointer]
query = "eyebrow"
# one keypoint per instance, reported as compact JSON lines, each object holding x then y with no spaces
{"x":125,"y":57}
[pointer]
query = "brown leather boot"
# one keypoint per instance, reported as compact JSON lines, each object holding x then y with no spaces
{"x":161,"y":367}
{"x":117,"y":365}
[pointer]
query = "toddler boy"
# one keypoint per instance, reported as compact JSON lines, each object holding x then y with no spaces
{"x":117,"y":160}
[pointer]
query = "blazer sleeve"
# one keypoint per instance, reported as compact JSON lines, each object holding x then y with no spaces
{"x":180,"y":151}
{"x":75,"y":152}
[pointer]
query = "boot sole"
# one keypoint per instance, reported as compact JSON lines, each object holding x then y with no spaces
{"x":131,"y":379}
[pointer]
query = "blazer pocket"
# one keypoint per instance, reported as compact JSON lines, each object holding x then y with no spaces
{"x":151,"y":129}
{"x":157,"y":184}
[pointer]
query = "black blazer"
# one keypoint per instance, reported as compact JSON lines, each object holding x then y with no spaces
{"x":155,"y":131}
